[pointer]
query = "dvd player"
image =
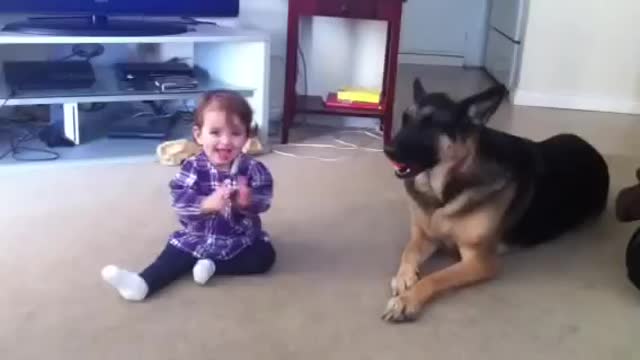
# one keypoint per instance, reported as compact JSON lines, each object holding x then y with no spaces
{"x":149,"y":71}
{"x":48,"y":75}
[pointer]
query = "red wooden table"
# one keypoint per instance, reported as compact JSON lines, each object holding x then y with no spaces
{"x":386,"y":10}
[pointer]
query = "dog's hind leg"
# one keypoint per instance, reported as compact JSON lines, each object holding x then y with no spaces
{"x":419,"y":248}
{"x":475,"y":266}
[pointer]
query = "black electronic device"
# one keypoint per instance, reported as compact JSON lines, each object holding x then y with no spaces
{"x":93,"y":17}
{"x":149,"y":127}
{"x":176,"y":83}
{"x":149,"y":71}
{"x":48,"y":75}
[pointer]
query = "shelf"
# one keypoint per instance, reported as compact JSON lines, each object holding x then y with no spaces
{"x":98,"y":148}
{"x":311,"y":104}
{"x":198,"y":33}
{"x":108,"y":88}
{"x":223,"y":57}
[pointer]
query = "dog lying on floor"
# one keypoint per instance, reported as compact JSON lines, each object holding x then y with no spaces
{"x":477,"y":189}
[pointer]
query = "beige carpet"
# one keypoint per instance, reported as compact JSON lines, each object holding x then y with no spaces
{"x":338,"y":228}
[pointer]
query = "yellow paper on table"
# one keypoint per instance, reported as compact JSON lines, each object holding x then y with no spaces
{"x":359,"y":95}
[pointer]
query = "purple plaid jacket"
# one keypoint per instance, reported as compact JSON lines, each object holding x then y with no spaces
{"x":216,"y":236}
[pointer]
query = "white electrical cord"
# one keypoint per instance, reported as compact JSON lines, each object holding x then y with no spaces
{"x":346,"y":146}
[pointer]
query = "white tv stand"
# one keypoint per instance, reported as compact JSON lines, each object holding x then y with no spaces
{"x":228,"y":58}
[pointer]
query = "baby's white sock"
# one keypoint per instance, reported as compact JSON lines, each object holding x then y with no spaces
{"x":129,"y":284}
{"x":203,"y":270}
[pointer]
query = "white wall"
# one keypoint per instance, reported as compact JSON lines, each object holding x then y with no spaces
{"x":449,"y":28}
{"x":268,"y":15}
{"x":582,"y":54}
{"x":271,"y":16}
{"x":433,"y":27}
{"x":341,"y":53}
{"x":338,"y":52}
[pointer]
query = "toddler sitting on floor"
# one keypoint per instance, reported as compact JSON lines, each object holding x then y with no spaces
{"x":218,"y":195}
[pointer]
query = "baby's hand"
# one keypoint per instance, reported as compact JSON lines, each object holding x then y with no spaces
{"x":217,"y":201}
{"x":243,"y":197}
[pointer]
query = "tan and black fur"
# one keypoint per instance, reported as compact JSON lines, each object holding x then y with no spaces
{"x":476,"y":190}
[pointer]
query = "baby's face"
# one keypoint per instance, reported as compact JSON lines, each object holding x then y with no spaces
{"x":222,"y":137}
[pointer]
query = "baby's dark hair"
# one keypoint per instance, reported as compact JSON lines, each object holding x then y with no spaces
{"x":228,"y":101}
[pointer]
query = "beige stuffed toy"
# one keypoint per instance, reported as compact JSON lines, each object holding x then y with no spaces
{"x":173,"y":153}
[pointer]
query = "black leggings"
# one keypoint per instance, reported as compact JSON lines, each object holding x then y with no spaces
{"x":173,"y":263}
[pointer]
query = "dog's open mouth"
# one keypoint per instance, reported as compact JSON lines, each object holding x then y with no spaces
{"x":404,"y":171}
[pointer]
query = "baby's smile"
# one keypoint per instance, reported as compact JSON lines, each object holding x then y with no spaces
{"x":224,"y":154}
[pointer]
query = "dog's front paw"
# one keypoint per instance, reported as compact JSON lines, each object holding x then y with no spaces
{"x":403,"y":281}
{"x":401,"y":308}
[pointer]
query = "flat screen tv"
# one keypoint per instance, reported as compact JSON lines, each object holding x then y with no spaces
{"x":94,"y":17}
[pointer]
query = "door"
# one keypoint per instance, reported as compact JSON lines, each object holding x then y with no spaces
{"x":502,"y":58}
{"x":507,"y":16}
{"x":504,"y":45}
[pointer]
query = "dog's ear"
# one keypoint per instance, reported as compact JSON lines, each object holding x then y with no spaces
{"x":418,"y":91}
{"x":482,"y":106}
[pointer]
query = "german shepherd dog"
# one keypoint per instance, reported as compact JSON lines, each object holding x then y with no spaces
{"x":478,"y":190}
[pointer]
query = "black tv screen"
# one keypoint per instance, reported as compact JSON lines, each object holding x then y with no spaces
{"x":92,"y":17}
{"x":205,"y":8}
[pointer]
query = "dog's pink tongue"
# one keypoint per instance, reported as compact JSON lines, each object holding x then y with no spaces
{"x":398,"y":166}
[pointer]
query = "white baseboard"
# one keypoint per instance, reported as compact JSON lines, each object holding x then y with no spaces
{"x":340,"y":121}
{"x":336,"y":122}
{"x":418,"y":59}
{"x":576,"y":102}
